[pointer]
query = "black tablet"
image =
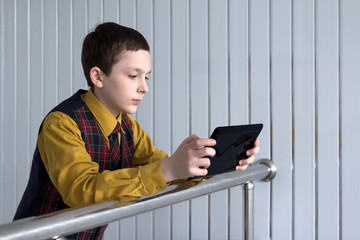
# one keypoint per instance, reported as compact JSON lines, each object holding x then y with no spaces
{"x":232,"y":142}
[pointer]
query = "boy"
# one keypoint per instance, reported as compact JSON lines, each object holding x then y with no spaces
{"x":90,"y":150}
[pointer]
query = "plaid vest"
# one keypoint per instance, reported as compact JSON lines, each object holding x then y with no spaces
{"x":47,"y":197}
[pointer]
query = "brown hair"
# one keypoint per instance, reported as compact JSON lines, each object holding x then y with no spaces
{"x":102,"y":47}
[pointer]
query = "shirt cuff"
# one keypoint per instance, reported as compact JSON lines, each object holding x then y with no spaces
{"x":152,"y":178}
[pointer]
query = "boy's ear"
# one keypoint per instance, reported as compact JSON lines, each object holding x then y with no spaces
{"x":96,"y":77}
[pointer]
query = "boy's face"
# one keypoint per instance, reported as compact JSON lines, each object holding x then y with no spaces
{"x":125,"y":87}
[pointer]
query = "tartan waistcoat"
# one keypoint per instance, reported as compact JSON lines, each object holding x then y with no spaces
{"x":44,"y":197}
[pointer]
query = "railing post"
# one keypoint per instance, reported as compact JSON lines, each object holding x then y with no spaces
{"x":249,"y":210}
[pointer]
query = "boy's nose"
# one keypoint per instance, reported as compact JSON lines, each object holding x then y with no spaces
{"x":143,"y":87}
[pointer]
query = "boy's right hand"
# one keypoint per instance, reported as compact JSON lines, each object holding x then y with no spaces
{"x":189,"y":160}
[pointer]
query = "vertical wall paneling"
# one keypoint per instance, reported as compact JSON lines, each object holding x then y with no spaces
{"x":22,"y":97}
{"x":290,"y":64}
{"x":65,"y":50}
{"x":95,"y":13}
{"x":238,"y":66}
{"x":236,"y":213}
{"x":111,"y":10}
{"x":51,"y":77}
{"x":281,"y":118}
{"x":199,"y":68}
{"x":36,"y":30}
{"x":80,"y":29}
{"x":327,"y":118}
{"x":112,"y":230}
{"x":127,"y":228}
{"x":259,"y":102}
{"x":179,"y":102}
{"x":218,"y":102}
{"x":8,"y":179}
{"x":199,"y":218}
{"x":238,"y":74}
{"x":127,"y":13}
{"x":218,"y":64}
{"x":144,"y":226}
{"x":350,"y":118}
{"x":161,"y":75}
{"x":199,"y":103}
{"x":179,"y":73}
{"x":304,"y":119}
{"x":180,"y":220}
{"x":2,"y":113}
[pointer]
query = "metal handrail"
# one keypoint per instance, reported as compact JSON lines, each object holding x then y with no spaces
{"x":62,"y":223}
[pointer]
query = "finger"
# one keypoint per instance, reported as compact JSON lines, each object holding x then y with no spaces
{"x":199,"y":172}
{"x":241,"y":168}
{"x":202,"y":142}
{"x":205,"y":151}
{"x":203,"y":163}
{"x":253,"y":151}
{"x":191,"y":138}
{"x":247,"y":161}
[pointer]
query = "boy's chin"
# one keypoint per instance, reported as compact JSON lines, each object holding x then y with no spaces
{"x":131,"y":110}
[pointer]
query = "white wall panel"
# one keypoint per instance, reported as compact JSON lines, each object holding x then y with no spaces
{"x":95,"y":12}
{"x":23,"y":157}
{"x":290,"y":64}
{"x":349,"y":118}
{"x":127,"y":228}
{"x":281,"y":118}
{"x":36,"y":64}
{"x":51,"y":56}
{"x":9,"y":131}
{"x":304,"y":119}
{"x":327,"y":119}
{"x":2,"y":115}
{"x":238,"y":66}
{"x":65,"y":49}
{"x":79,"y":30}
{"x":127,"y":13}
{"x":111,"y":10}
{"x":259,"y":90}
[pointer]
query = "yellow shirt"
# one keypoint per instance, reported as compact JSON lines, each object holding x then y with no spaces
{"x":76,"y":176}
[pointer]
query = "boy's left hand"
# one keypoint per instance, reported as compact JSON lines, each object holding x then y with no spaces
{"x":244,"y":163}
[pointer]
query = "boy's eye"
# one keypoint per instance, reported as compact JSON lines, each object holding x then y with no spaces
{"x":132,"y":76}
{"x":147,"y":78}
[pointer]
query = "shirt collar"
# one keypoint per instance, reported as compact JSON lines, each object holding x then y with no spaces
{"x":103,"y":116}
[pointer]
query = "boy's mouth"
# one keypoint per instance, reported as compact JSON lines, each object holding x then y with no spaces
{"x":136,"y":101}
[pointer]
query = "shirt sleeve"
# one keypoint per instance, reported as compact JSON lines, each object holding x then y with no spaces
{"x":77,"y":177}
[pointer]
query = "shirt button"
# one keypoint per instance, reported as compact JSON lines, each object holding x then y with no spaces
{"x":158,"y":188}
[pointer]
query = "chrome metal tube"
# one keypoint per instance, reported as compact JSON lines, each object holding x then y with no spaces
{"x":55,"y":225}
{"x":249,"y":210}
